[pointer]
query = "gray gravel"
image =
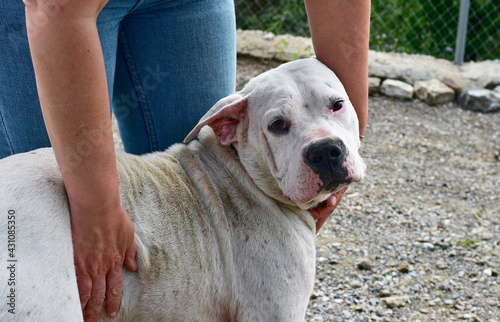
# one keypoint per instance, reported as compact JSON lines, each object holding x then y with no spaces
{"x":419,"y":238}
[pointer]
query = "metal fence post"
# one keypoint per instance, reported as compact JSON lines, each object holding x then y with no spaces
{"x":463,"y":19}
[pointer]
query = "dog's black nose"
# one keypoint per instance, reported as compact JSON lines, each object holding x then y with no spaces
{"x":324,"y":155}
{"x":326,"y":158}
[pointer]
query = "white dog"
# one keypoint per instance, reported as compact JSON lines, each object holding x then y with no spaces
{"x":222,"y":227}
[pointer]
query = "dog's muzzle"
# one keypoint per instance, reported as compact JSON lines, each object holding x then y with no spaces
{"x":327,"y":158}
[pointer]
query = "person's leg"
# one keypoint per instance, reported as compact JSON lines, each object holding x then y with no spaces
{"x":175,"y":60}
{"x":21,"y":122}
{"x":108,"y":23}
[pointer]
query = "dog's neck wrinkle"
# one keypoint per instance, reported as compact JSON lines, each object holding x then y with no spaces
{"x":233,"y":166}
{"x":233,"y":158}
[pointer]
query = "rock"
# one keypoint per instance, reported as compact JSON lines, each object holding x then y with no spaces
{"x":451,"y":83}
{"x":434,"y":92}
{"x":494,"y":272}
{"x":397,"y":89}
{"x":481,"y":100}
{"x":412,"y":68}
{"x":334,"y":260}
{"x":404,"y":268}
{"x":497,"y":89}
{"x":373,"y":85}
{"x":365,"y":264}
{"x":358,"y":308}
{"x":356,"y":284}
{"x":441,"y":264}
{"x":429,"y":246}
{"x":395,"y":301}
{"x":266,"y":45}
{"x":384,"y":293}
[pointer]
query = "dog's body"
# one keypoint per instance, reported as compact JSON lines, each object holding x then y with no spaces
{"x":221,"y":223}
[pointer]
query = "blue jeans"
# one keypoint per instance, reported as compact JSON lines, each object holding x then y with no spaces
{"x":167,"y":63}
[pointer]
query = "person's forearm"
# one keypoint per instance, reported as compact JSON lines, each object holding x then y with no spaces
{"x":72,"y":87}
{"x":340,"y":31}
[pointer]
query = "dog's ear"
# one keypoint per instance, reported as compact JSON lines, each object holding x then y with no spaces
{"x":223,"y":118}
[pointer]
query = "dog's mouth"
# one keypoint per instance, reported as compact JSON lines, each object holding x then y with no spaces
{"x":309,"y":197}
{"x":335,"y":185}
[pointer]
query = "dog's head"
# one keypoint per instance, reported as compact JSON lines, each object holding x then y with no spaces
{"x":295,"y":131}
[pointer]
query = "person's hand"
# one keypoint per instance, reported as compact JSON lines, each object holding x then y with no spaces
{"x":323,"y":211}
{"x":102,"y":242}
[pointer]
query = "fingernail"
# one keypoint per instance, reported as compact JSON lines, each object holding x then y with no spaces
{"x":112,"y":315}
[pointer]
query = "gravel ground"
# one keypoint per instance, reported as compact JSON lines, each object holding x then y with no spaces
{"x":419,"y":238}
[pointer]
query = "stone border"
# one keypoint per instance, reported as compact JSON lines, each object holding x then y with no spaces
{"x":474,"y":85}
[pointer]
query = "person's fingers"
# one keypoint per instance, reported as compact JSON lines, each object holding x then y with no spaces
{"x":94,"y":305}
{"x":130,"y":260}
{"x":320,"y":222}
{"x":323,"y":212}
{"x":114,"y":289}
{"x":325,"y":208}
{"x":84,"y":286}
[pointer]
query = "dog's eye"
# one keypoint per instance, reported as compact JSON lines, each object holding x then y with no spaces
{"x":337,"y":105}
{"x":279,"y":127}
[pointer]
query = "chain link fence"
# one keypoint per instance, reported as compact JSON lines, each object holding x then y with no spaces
{"x":416,"y":27}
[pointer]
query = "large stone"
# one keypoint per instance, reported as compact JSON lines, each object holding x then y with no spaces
{"x":266,"y":45}
{"x":373,"y":85}
{"x":397,"y":89}
{"x":434,"y":92}
{"x":365,"y":264}
{"x":450,"y":82}
{"x":412,"y":68}
{"x":396,"y":301}
{"x":480,"y":100}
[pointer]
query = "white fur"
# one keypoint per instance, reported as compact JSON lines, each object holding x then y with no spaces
{"x":220,"y":228}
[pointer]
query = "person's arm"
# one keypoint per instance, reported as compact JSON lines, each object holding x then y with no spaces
{"x":71,"y":82}
{"x":340,"y":32}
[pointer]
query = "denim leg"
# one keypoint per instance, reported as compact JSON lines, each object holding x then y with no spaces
{"x":175,"y":60}
{"x":21,"y":123}
{"x":108,"y":23}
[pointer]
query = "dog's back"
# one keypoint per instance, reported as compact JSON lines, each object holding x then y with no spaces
{"x":211,"y":246}
{"x":41,"y":283}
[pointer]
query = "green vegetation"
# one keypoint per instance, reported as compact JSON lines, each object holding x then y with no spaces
{"x":468,"y":242}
